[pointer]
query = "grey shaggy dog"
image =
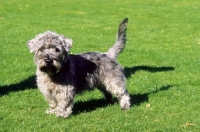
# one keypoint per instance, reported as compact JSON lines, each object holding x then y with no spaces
{"x":60,"y":75}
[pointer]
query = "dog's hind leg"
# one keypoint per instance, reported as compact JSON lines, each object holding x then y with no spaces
{"x":107,"y":95}
{"x":124,"y":100}
{"x":117,"y":87}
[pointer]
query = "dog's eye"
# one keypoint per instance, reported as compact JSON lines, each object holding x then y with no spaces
{"x":57,"y":50}
{"x":41,"y":49}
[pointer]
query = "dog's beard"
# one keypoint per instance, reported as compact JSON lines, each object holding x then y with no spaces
{"x":51,"y":69}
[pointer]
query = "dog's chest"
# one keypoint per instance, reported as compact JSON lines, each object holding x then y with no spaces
{"x":46,"y":85}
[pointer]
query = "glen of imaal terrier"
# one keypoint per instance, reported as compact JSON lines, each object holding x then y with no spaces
{"x":60,"y":75}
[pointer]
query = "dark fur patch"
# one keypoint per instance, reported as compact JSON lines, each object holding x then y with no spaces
{"x":75,"y":71}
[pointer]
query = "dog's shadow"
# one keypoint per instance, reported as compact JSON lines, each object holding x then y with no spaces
{"x":91,"y":105}
{"x":28,"y":83}
{"x":132,"y":70}
{"x":137,"y":99}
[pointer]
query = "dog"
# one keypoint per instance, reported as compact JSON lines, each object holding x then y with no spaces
{"x":60,"y":75}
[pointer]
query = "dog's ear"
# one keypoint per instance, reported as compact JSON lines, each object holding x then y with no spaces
{"x":31,"y":46}
{"x":67,"y":43}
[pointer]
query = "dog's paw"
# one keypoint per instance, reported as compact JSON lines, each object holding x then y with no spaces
{"x":50,"y":111}
{"x":64,"y":113}
{"x":125,"y":102}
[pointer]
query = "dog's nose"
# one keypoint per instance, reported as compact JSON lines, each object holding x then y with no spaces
{"x":48,"y":61}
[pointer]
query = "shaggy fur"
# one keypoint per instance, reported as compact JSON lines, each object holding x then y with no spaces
{"x":60,"y":75}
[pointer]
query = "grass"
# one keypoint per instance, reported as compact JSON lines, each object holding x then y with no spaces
{"x":161,"y":63}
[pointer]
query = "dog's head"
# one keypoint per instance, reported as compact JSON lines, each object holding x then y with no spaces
{"x":50,"y":51}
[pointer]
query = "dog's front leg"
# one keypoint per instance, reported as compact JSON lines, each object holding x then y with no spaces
{"x":52,"y":103}
{"x":65,"y":101}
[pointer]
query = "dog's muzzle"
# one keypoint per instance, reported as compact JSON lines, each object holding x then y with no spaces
{"x":48,"y":62}
{"x":49,"y":66}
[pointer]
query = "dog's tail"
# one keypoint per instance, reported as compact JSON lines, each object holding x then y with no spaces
{"x":119,"y":45}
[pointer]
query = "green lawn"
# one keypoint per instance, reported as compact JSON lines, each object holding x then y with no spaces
{"x":161,"y":62}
